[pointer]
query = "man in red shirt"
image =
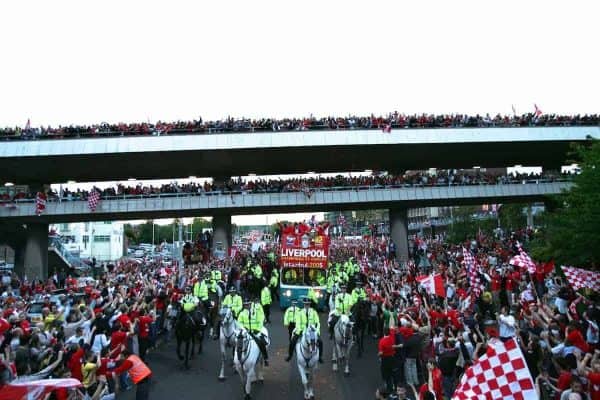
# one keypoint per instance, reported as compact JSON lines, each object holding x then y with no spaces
{"x":386,"y":353}
{"x":119,"y":338}
{"x":144,"y":322}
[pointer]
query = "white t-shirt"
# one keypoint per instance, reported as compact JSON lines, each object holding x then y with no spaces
{"x":100,"y":342}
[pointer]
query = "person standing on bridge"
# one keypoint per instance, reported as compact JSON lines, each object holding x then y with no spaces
{"x":308,"y":316}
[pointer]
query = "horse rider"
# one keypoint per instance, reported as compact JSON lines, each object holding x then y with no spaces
{"x":201,"y":291}
{"x":189,"y":301}
{"x":265,"y":301}
{"x":252,"y":320}
{"x":307,"y":316}
{"x":234,"y":301}
{"x":359,"y":293}
{"x":289,"y":318}
{"x":257,"y":271}
{"x":343,"y":304}
{"x":215,"y":275}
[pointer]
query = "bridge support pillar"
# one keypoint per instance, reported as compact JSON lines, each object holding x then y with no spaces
{"x":399,"y":232}
{"x":529,"y":216}
{"x":221,"y":240}
{"x":31,"y":255}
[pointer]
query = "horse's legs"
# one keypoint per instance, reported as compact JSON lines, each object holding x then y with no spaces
{"x":223,"y":359}
{"x":248,"y":386}
{"x":179,"y":348}
{"x":347,"y":357}
{"x":304,"y":378}
{"x":187,"y":354}
{"x":334,"y":356}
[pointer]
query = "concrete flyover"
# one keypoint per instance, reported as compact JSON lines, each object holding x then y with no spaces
{"x":22,"y":221}
{"x":238,"y":154}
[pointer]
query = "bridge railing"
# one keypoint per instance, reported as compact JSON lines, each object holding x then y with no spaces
{"x":307,"y":191}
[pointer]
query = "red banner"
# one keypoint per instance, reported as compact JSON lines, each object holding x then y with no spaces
{"x":305,"y":250}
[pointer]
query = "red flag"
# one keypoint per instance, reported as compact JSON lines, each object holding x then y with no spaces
{"x":35,"y":389}
{"x":548,"y":267}
{"x":433,"y":284}
{"x":93,"y":200}
{"x":537,"y":111}
{"x":523,"y":261}
{"x":40,"y":203}
{"x":387,"y":128}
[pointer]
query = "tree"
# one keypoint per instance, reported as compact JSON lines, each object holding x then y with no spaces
{"x":571,"y":234}
{"x":512,"y":216}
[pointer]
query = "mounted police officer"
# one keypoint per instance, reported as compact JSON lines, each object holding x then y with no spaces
{"x":343,"y":304}
{"x":359,"y":293}
{"x":253,"y":321}
{"x":189,"y":301}
{"x":289,"y":318}
{"x":234,"y":301}
{"x":306,"y":317}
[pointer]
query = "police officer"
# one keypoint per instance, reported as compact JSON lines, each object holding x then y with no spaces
{"x":252,"y":320}
{"x":265,"y":301}
{"x":189,"y":301}
{"x":274,"y":283}
{"x":312,"y":296}
{"x":343,"y":304}
{"x":234,"y":301}
{"x":359,"y":293}
{"x":307,"y":316}
{"x":215,"y":275}
{"x":289,"y":318}
{"x":201,"y":291}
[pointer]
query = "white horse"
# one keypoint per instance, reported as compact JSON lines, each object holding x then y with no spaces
{"x":307,"y":358}
{"x":229,"y":328}
{"x":334,"y":291}
{"x":342,"y":342}
{"x":248,"y":360}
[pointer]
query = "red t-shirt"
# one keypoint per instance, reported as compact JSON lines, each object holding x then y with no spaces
{"x":564,"y":380}
{"x":144,"y":325}
{"x":594,"y":382}
{"x":116,"y":340}
{"x":576,"y":338}
{"x":406,"y":332}
{"x":385,"y":346}
{"x":74,"y":364}
{"x":436,"y":376}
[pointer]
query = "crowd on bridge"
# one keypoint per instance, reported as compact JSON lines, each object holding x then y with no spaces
{"x":91,"y":329}
{"x":307,"y":185}
{"x":394,"y":120}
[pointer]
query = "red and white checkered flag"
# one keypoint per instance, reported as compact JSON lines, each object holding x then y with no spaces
{"x":93,"y":200}
{"x":500,"y":374}
{"x":473,"y":273}
{"x":582,"y":278}
{"x":522,"y":260}
{"x":40,"y":203}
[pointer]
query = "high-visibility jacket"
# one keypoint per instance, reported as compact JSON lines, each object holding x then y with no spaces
{"x":139,"y":370}
{"x":305,"y":318}
{"x":358,"y":294}
{"x":290,"y":315}
{"x":290,"y":275}
{"x":201,"y":290}
{"x":321,"y":280}
{"x":312,"y":295}
{"x":265,"y":296}
{"x":331,"y":280}
{"x":234,"y":302}
{"x":251,"y":321}
{"x":274,"y":281}
{"x":257,"y":271}
{"x":189,"y":302}
{"x":215,"y":275}
{"x":343,"y":304}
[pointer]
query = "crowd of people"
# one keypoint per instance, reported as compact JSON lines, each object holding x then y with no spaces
{"x":393,"y":120}
{"x":425,"y":340}
{"x":285,"y":185}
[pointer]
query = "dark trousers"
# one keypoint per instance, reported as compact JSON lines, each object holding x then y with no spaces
{"x":274,"y":293}
{"x":387,"y":372}
{"x":291,"y":328}
{"x":267,"y":310}
{"x":262,"y":345}
{"x":143,"y":343}
{"x":142,"y":390}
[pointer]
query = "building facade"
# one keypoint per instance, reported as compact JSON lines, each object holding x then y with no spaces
{"x":101,"y":240}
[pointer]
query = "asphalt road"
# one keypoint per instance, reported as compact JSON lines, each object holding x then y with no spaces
{"x":282,"y":380}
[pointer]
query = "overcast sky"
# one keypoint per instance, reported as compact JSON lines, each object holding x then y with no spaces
{"x":67,"y":62}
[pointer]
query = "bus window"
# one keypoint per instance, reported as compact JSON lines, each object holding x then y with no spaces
{"x":292,"y":276}
{"x":315,"y":277}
